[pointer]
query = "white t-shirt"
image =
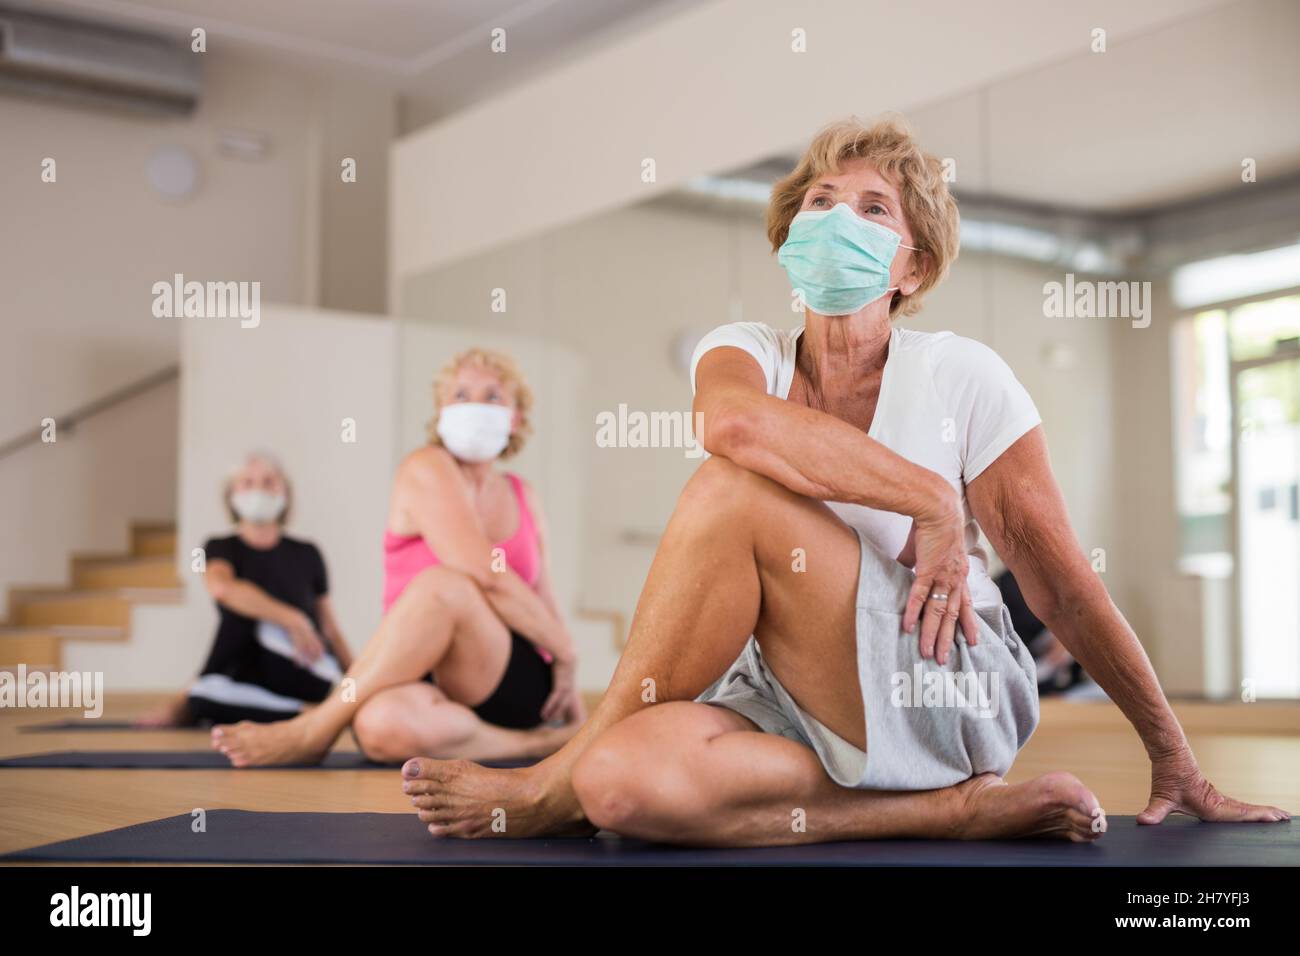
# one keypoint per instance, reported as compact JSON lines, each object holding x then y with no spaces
{"x":946,"y":403}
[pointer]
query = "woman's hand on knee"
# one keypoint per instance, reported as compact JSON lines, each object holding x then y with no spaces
{"x":307,"y":643}
{"x":940,"y":595}
{"x":565,"y":701}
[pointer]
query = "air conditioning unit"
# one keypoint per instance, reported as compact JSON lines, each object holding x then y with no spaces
{"x":94,"y":65}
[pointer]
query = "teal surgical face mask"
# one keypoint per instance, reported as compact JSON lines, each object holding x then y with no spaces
{"x":837,"y":261}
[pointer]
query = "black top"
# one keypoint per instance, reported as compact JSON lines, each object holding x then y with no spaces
{"x":1023,"y":621}
{"x":292,"y":571}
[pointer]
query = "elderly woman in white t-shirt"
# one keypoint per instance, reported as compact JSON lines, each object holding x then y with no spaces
{"x":826,"y":654}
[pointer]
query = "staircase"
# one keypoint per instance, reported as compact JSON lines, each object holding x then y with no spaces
{"x":97,"y":606}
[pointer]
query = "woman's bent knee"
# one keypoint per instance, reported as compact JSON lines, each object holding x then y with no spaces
{"x":724,"y":488}
{"x":620,"y":789}
{"x":719,"y":480}
{"x":380,"y":731}
{"x":606,"y":785}
{"x":382,"y":725}
{"x":376,"y":740}
{"x":441,"y":585}
{"x":412,"y":721}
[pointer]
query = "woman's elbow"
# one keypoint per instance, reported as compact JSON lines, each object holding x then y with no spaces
{"x":1065,"y":598}
{"x":218,"y":588}
{"x":728,"y":429}
{"x":481,"y":573}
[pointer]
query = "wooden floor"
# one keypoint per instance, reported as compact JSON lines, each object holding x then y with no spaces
{"x":1251,"y":751}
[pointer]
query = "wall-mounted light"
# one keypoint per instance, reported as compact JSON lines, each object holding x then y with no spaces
{"x":173,"y":172}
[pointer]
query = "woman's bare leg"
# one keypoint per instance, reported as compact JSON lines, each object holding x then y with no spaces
{"x":439,"y":610}
{"x":700,"y":774}
{"x":725,"y":569}
{"x":728,"y":567}
{"x":412,"y":719}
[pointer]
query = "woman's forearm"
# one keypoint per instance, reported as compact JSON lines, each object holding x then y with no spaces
{"x":246,"y":598}
{"x":523,"y":611}
{"x":1093,"y":630}
{"x":334,"y":638}
{"x":329,"y":629}
{"x":818,"y":455}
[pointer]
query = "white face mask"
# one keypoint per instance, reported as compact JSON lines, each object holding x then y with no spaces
{"x":475,"y":432}
{"x":257,"y":506}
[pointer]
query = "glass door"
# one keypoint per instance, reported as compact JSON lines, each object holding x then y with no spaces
{"x":1266,"y":459}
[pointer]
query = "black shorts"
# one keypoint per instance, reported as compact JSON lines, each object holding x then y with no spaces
{"x":205,"y":712}
{"x":525,"y":686}
{"x":256,"y":669}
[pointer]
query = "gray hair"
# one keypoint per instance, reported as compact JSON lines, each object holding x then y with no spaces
{"x":266,"y":458}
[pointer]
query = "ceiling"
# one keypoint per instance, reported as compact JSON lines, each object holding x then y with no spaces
{"x":434,"y":51}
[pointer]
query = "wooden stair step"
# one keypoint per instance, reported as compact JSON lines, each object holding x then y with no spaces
{"x":63,"y":632}
{"x":39,"y":649}
{"x":97,"y":606}
{"x":152,"y":540}
{"x":50,"y":669}
{"x":90,"y":573}
{"x":110,"y":607}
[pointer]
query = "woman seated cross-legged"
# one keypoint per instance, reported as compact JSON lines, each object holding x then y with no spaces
{"x":472,"y":658}
{"x":775,"y":687}
{"x":278,"y":647}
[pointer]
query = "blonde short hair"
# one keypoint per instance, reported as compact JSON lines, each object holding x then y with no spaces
{"x":928,"y":206}
{"x":504,"y":368}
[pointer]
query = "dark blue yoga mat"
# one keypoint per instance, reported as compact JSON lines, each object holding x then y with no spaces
{"x":77,"y":726}
{"x":244,"y":836}
{"x":191,"y":760}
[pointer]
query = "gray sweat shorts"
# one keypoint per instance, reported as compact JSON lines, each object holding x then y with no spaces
{"x":929,"y":725}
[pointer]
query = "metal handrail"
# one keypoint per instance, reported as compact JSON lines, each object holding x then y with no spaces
{"x":68,"y":423}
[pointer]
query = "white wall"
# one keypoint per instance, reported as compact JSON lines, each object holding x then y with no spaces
{"x":286,"y":386}
{"x":76,"y":278}
{"x":356,"y":122}
{"x":77,"y":275}
{"x":1169,"y":610}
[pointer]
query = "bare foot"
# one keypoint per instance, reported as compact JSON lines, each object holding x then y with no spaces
{"x":259,"y":745}
{"x":1054,"y":805}
{"x":458,"y":798}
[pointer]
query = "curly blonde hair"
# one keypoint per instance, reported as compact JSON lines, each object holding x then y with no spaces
{"x":888,"y":145}
{"x":504,"y":368}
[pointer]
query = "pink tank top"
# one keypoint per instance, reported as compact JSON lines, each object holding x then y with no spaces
{"x":405,"y":556}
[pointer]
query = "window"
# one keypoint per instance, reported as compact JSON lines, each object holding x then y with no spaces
{"x":1239,"y":364}
{"x":1206,"y":344}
